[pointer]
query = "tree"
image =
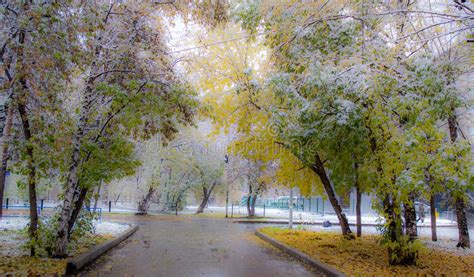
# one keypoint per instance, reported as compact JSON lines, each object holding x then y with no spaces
{"x":312,"y":67}
{"x":5,"y":153}
{"x":35,"y":71}
{"x":138,"y":95}
{"x":247,"y":108}
{"x":209,"y":166}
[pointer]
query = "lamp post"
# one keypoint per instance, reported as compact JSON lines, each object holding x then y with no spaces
{"x":226,"y":161}
{"x":290,"y":206}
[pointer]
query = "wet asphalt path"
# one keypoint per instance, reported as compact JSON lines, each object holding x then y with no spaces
{"x":193,"y":246}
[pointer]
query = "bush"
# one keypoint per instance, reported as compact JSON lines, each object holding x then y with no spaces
{"x":403,"y":251}
{"x":45,"y":241}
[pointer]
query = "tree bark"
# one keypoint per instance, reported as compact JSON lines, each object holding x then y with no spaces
{"x":5,"y":154}
{"x":77,"y":209}
{"x":398,"y":255}
{"x":21,"y":98}
{"x":71,"y":183}
{"x":97,"y":196}
{"x":205,"y":199}
{"x":249,"y":197}
{"x":31,"y":173}
{"x":410,"y":217}
{"x":203,"y":202}
{"x":72,"y":177}
{"x":453,"y":129}
{"x":434,"y":236}
{"x":252,"y":206}
{"x":358,"y":211}
{"x":391,"y":226}
{"x":463,"y":230}
{"x":144,"y":205}
{"x":393,"y":231}
{"x":318,"y":168}
{"x":358,"y":201}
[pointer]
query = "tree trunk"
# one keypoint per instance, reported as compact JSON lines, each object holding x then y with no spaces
{"x":252,"y":206}
{"x":392,"y":225}
{"x":205,"y":198}
{"x":117,"y":199}
{"x":318,"y":168}
{"x":21,"y":102}
{"x":31,"y":172}
{"x":453,"y":129}
{"x":97,"y":196}
{"x":358,"y":201}
{"x":203,"y":202}
{"x":358,"y":211}
{"x":5,"y":156}
{"x":398,"y":254}
{"x":72,"y":176}
{"x":77,"y":209}
{"x":463,"y":229}
{"x":144,"y":205}
{"x":434,"y":236}
{"x":249,"y":196}
{"x":71,"y":183}
{"x":410,"y":217}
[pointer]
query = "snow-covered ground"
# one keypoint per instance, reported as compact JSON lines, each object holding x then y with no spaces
{"x":313,"y":217}
{"x":101,"y":227}
{"x":12,"y":240}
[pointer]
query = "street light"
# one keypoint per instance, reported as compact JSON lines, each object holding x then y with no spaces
{"x":226,"y":161}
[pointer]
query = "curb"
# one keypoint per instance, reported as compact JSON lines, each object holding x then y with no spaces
{"x":324,"y":268}
{"x":75,"y":264}
{"x":285,"y":222}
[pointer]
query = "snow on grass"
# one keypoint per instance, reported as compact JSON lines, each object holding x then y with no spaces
{"x":101,"y":227}
{"x":312,"y":216}
{"x":13,"y":223}
{"x":111,"y":228}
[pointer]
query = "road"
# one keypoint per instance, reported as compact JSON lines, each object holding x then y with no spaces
{"x":194,"y":246}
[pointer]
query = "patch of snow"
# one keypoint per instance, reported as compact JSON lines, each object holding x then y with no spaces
{"x":110,"y":228}
{"x":312,"y":216}
{"x":13,"y":223}
{"x":447,"y":245}
{"x":101,"y":227}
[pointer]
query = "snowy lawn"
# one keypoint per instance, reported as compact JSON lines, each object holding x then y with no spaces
{"x":309,"y":216}
{"x":14,"y":257}
{"x":101,"y":227}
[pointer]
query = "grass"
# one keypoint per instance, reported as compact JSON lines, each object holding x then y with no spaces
{"x":366,"y":257}
{"x":37,"y":266}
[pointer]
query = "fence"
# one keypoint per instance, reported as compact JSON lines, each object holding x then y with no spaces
{"x":314,"y":205}
{"x":42,"y":207}
{"x":318,"y":205}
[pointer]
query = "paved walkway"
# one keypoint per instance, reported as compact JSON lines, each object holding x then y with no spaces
{"x":193,"y":246}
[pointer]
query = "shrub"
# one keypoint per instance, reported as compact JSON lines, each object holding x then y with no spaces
{"x":44,"y":244}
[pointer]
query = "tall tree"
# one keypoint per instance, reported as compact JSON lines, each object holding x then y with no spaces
{"x":138,"y":95}
{"x":5,"y":153}
{"x":35,"y":72}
